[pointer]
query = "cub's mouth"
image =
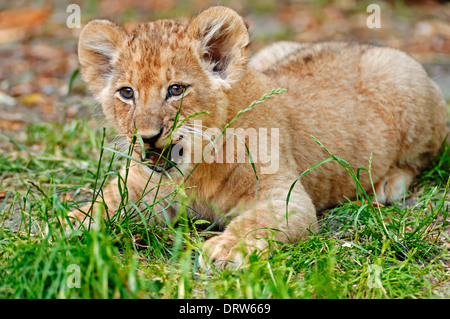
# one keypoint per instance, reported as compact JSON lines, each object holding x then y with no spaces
{"x":160,"y":160}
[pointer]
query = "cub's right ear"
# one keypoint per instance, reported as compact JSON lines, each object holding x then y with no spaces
{"x":97,"y":47}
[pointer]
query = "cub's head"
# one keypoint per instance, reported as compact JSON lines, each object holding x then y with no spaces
{"x":164,"y":72}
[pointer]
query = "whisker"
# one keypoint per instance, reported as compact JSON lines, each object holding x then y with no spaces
{"x":121,"y":142}
{"x":200,"y":132}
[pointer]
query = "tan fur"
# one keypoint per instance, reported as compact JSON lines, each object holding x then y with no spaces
{"x":357,"y":100}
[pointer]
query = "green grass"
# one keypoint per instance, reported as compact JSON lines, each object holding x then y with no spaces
{"x":362,"y":251}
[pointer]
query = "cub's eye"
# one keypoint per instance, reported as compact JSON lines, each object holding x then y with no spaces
{"x":176,"y":90}
{"x":126,"y":93}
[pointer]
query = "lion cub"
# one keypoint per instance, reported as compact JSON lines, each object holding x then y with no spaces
{"x":178,"y":84}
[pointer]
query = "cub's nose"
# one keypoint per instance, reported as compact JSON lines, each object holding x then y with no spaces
{"x":150,"y":139}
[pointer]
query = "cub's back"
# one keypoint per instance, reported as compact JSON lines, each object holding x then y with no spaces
{"x":357,"y":100}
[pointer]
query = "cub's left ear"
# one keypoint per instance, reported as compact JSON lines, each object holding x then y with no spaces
{"x":223,"y":42}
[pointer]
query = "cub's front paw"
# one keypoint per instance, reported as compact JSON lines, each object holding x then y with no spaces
{"x":227,"y":252}
{"x":75,"y":220}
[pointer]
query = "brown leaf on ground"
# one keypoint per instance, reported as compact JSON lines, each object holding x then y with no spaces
{"x":16,"y":24}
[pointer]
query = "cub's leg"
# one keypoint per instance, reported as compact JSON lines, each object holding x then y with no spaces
{"x":85,"y":215}
{"x":256,"y":226}
{"x":138,"y":188}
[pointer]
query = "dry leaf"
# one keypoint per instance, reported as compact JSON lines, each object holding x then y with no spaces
{"x":374,"y":204}
{"x":16,"y":24}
